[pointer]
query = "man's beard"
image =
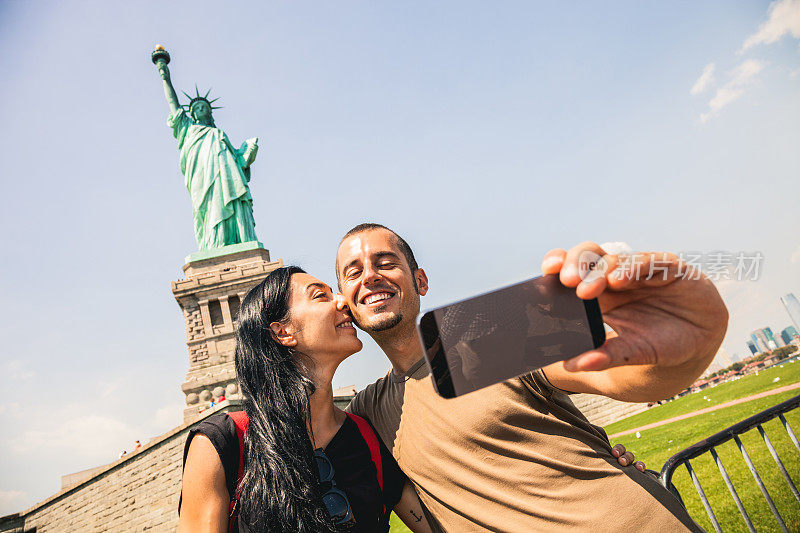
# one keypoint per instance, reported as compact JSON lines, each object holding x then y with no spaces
{"x":382,"y":325}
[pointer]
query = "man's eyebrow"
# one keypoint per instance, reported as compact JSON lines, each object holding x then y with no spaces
{"x":381,"y":255}
{"x":376,"y":256}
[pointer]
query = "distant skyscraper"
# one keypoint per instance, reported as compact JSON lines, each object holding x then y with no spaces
{"x":760,"y":346}
{"x":771,"y":342}
{"x":776,"y":338}
{"x":764,"y":339}
{"x":752,"y":346}
{"x":788,"y":333}
{"x":792,"y":307}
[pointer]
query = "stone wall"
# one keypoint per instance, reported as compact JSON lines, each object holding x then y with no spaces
{"x":602,"y":411}
{"x":136,"y":493}
{"x":195,"y":333}
{"x":68,"y":480}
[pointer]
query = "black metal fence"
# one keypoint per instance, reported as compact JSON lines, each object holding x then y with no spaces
{"x":732,"y":433}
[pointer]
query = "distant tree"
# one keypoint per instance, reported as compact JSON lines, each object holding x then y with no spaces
{"x":784,"y":352}
{"x":750,"y":359}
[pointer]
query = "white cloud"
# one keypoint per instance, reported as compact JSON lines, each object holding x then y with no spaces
{"x":12,"y":501}
{"x":169,"y":416}
{"x":15,"y":370}
{"x":91,"y":437}
{"x":724,"y":96}
{"x":746,"y":71}
{"x":76,"y":431}
{"x":12,"y":408}
{"x":109,"y":387}
{"x":741,"y":77}
{"x":705,"y":79}
{"x":784,"y":17}
{"x":795,"y":256}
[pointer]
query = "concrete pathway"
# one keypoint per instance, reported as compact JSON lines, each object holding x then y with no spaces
{"x":708,"y":409}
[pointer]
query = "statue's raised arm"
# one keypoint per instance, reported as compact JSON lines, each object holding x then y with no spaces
{"x":217,"y":174}
{"x":160,"y":58}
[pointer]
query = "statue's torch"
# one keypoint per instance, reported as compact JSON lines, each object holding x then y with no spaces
{"x":160,"y":59}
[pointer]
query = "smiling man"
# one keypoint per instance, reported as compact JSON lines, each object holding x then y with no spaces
{"x":519,"y":456}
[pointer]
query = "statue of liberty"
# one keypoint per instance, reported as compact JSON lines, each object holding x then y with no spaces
{"x":216,"y":173}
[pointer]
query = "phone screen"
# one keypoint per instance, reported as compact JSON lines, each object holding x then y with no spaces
{"x":502,"y":334}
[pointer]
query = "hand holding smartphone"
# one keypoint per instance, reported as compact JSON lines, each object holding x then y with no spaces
{"x":505,"y":333}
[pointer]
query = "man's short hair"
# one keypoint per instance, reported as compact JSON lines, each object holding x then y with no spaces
{"x":405,"y":249}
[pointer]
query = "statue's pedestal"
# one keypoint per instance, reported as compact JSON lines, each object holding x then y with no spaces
{"x":225,"y":251}
{"x":216,"y":283}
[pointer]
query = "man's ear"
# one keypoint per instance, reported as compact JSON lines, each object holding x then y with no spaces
{"x":422,"y":281}
{"x":282,"y":335}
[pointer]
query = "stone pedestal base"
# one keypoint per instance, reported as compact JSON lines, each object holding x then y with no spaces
{"x":209,"y":297}
{"x":226,"y":251}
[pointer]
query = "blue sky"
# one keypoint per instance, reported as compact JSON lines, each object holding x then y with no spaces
{"x":485,"y":133}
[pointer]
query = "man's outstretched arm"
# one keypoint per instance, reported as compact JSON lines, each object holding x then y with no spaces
{"x":668,"y":323}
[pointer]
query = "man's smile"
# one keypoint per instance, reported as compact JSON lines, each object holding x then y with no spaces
{"x":376,"y":298}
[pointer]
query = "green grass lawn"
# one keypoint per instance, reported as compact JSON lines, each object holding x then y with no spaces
{"x":397,"y":526}
{"x":745,"y":386}
{"x":657,"y":445}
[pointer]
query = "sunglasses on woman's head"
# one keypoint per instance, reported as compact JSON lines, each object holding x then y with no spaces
{"x":335,"y":500}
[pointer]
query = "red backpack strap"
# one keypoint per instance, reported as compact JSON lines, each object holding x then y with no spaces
{"x":374,"y":447}
{"x":240,"y":422}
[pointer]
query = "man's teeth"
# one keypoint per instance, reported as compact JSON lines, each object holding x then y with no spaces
{"x":345,"y":325}
{"x":372,"y":298}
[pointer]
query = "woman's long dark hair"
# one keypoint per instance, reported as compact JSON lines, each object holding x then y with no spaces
{"x":280,"y":488}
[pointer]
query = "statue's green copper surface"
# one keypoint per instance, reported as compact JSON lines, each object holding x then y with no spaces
{"x":217,"y":173}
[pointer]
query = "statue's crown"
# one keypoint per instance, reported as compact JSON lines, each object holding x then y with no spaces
{"x":197,"y":98}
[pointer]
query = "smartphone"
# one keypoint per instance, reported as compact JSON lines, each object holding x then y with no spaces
{"x":495,"y":336}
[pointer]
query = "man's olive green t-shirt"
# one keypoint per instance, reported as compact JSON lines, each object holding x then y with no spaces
{"x":516,"y":456}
